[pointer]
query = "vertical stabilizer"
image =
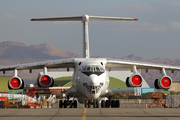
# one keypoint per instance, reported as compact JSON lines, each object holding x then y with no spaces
{"x":85,"y":19}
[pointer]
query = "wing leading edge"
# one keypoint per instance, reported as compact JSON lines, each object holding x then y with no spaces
{"x":61,"y":63}
{"x":118,"y":63}
{"x":83,"y":18}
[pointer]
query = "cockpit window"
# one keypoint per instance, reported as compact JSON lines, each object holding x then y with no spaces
{"x":93,"y":69}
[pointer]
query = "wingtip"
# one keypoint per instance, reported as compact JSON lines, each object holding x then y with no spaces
{"x":135,"y":18}
{"x":32,"y":19}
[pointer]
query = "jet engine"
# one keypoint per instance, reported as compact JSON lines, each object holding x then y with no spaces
{"x":163,"y":83}
{"x":134,"y":81}
{"x":45,"y":81}
{"x":15,"y":83}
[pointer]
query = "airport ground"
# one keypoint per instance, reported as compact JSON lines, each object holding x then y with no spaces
{"x":91,"y":114}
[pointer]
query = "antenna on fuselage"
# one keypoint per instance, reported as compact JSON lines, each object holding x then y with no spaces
{"x":85,"y":19}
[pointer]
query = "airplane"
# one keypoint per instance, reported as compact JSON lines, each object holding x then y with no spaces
{"x":90,"y":79}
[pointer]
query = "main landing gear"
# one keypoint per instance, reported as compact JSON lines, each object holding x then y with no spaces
{"x":108,"y":103}
{"x":104,"y":104}
{"x":68,"y":103}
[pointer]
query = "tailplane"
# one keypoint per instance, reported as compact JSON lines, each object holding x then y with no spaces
{"x":85,"y":19}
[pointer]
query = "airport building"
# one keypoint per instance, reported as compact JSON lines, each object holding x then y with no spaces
{"x":175,"y":86}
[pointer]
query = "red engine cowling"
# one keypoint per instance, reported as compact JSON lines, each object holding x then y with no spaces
{"x":163,"y":83}
{"x":45,"y":81}
{"x":134,"y":81}
{"x":15,"y":83}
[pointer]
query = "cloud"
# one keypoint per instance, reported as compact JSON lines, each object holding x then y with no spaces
{"x":175,"y":25}
{"x":158,"y":28}
{"x":173,"y":3}
{"x":11,"y":16}
{"x":134,"y":26}
{"x":135,"y":7}
{"x":142,"y":7}
{"x":151,"y":27}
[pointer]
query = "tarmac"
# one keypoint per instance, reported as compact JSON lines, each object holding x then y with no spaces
{"x":91,"y":114}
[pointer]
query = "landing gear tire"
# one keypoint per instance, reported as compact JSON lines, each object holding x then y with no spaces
{"x":75,"y":104}
{"x":102,"y":104}
{"x":89,"y":104}
{"x":97,"y":104}
{"x":107,"y":104}
{"x":85,"y":104}
{"x":65,"y":105}
{"x":113,"y":104}
{"x":94,"y":103}
{"x":117,"y":104}
{"x":60,"y":104}
{"x":71,"y":104}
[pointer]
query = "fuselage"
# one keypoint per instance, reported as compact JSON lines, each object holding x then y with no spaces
{"x":90,"y":78}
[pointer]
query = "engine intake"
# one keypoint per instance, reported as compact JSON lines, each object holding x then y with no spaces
{"x":45,"y":81}
{"x":134,"y":81}
{"x":163,"y":83}
{"x":15,"y":83}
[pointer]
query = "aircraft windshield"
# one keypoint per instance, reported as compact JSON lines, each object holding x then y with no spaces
{"x":93,"y":69}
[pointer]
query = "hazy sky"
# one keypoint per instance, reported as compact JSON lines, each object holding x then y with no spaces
{"x":155,"y":34}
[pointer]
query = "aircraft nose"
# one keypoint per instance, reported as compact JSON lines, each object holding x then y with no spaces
{"x":94,"y":80}
{"x":93,"y":87}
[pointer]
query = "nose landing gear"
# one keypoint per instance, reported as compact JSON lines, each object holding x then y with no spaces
{"x":88,"y":103}
{"x":104,"y":103}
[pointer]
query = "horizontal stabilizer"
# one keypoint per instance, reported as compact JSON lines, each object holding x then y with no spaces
{"x":83,"y":18}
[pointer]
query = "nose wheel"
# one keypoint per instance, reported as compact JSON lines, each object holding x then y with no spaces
{"x":88,"y":103}
{"x":95,"y":104}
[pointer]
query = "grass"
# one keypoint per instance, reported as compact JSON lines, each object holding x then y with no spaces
{"x":4,"y":83}
{"x":66,"y":82}
{"x":62,"y":81}
{"x":116,"y":83}
{"x":69,"y":84}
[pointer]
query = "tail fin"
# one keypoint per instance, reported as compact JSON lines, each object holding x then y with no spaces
{"x":85,"y":19}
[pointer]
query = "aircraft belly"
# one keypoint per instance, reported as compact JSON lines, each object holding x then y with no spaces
{"x":107,"y":93}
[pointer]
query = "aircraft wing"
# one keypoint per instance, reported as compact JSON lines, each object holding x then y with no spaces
{"x":118,"y":63}
{"x":61,"y":63}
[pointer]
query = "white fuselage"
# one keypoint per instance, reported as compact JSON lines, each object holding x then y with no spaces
{"x":90,"y":79}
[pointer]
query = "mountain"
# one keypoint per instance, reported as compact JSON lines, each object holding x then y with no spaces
{"x":134,"y":57}
{"x":19,"y":51}
{"x":155,"y":74}
{"x":16,"y":52}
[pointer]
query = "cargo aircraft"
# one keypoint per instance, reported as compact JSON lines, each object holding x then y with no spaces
{"x":90,"y":79}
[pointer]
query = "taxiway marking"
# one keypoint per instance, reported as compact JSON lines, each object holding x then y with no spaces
{"x":84,"y":114}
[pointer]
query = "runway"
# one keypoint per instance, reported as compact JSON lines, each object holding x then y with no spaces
{"x":91,"y":114}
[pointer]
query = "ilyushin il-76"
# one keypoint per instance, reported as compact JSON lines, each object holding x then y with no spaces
{"x":90,"y":80}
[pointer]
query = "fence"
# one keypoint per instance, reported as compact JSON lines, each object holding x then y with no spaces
{"x":173,"y":101}
{"x":136,"y":101}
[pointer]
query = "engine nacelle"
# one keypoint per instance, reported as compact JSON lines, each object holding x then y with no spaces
{"x":163,"y":83}
{"x":15,"y":83}
{"x":45,"y":81}
{"x":134,"y":81}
